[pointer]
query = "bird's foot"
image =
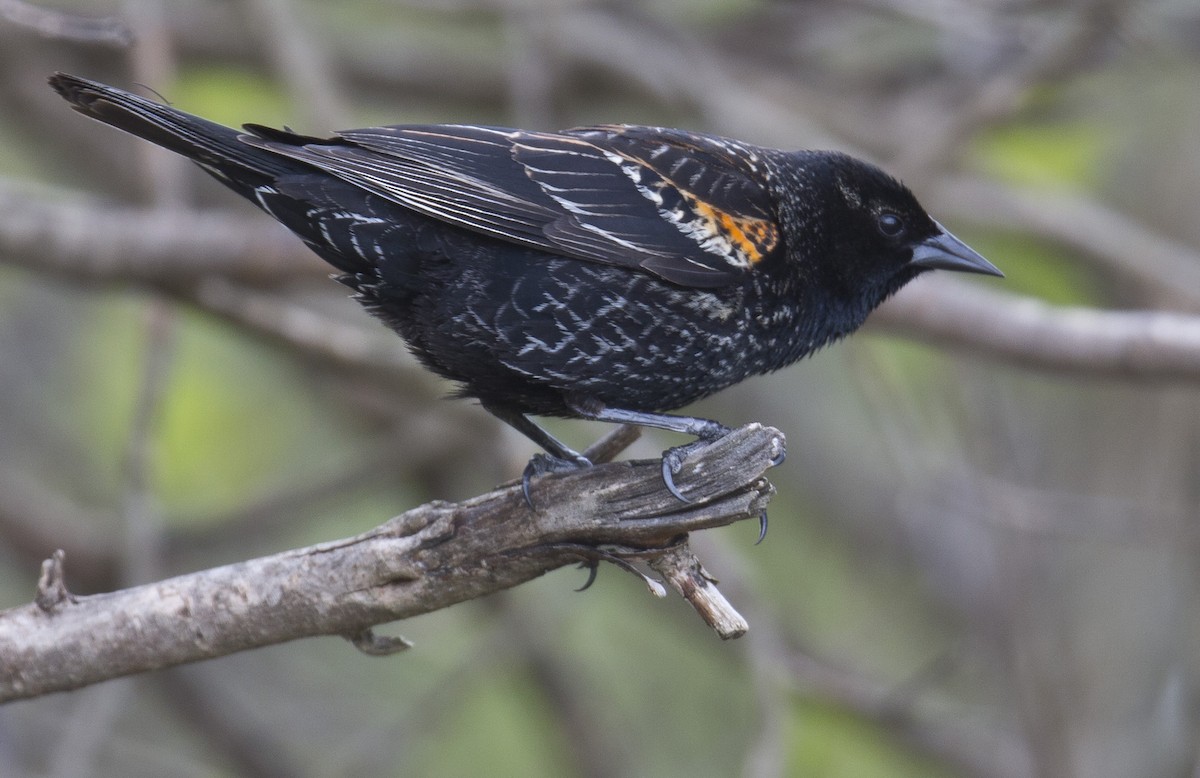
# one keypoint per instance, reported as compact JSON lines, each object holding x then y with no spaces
{"x":776,"y":461}
{"x":780,"y":446}
{"x":673,"y":458}
{"x":593,"y":567}
{"x":544,"y":464}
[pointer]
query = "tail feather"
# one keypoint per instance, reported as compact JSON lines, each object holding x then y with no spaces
{"x":212,"y":145}
{"x":347,"y":226}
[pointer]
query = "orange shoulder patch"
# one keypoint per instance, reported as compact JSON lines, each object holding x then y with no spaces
{"x":748,"y":238}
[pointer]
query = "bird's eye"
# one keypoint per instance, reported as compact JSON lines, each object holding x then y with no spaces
{"x":890,"y":225}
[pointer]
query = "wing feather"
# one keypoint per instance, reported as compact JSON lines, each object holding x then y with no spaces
{"x":692,"y":209}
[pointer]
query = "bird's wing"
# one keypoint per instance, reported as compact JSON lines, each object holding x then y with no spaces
{"x":692,"y":209}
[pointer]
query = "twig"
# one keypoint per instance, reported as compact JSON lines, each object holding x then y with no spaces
{"x":52,"y":590}
{"x":609,"y":447}
{"x":426,"y":559}
{"x":683,"y":571}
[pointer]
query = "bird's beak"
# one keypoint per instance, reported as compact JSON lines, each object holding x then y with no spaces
{"x":943,"y":251}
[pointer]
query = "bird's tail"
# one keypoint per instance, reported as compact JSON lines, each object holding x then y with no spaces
{"x":211,"y":145}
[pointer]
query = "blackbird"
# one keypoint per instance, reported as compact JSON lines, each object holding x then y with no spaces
{"x":612,"y":273}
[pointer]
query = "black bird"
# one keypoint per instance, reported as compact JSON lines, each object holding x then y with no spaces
{"x":611,"y":273}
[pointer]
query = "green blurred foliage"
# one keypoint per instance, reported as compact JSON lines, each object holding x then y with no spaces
{"x":830,"y":743}
{"x":511,"y":732}
{"x":235,"y":418}
{"x":230,"y":95}
{"x":1035,"y":268}
{"x":1053,"y":154}
{"x":1056,"y":154}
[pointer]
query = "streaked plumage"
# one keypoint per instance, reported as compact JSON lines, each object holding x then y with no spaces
{"x":612,"y":272}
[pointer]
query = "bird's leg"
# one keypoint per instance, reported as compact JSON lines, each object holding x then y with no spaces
{"x":705,"y":430}
{"x":558,"y":457}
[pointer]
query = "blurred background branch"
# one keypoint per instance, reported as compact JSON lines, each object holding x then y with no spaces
{"x":76,"y":28}
{"x":982,"y":553}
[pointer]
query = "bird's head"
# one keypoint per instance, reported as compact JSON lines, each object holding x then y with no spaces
{"x":860,"y":234}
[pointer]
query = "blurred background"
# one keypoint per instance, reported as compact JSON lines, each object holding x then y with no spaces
{"x":982,"y":557}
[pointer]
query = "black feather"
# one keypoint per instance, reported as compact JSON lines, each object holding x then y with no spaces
{"x":611,"y":272}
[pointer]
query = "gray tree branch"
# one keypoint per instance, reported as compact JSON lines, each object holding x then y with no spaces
{"x":97,"y":30}
{"x":43,"y":231}
{"x":426,"y":559}
{"x":1108,"y":237}
{"x":1143,"y":345}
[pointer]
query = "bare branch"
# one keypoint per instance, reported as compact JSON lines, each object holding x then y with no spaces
{"x":1058,"y":50}
{"x":100,"y":30}
{"x":683,"y":571}
{"x":303,"y":328}
{"x":85,"y":240}
{"x":426,"y":559}
{"x":1147,"y":345}
{"x":1114,"y":239}
{"x":609,"y":447}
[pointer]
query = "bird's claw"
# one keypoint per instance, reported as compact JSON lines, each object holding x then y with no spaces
{"x":780,"y":453}
{"x":593,"y":567}
{"x":673,"y":459}
{"x":672,"y":462}
{"x":544,"y":464}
